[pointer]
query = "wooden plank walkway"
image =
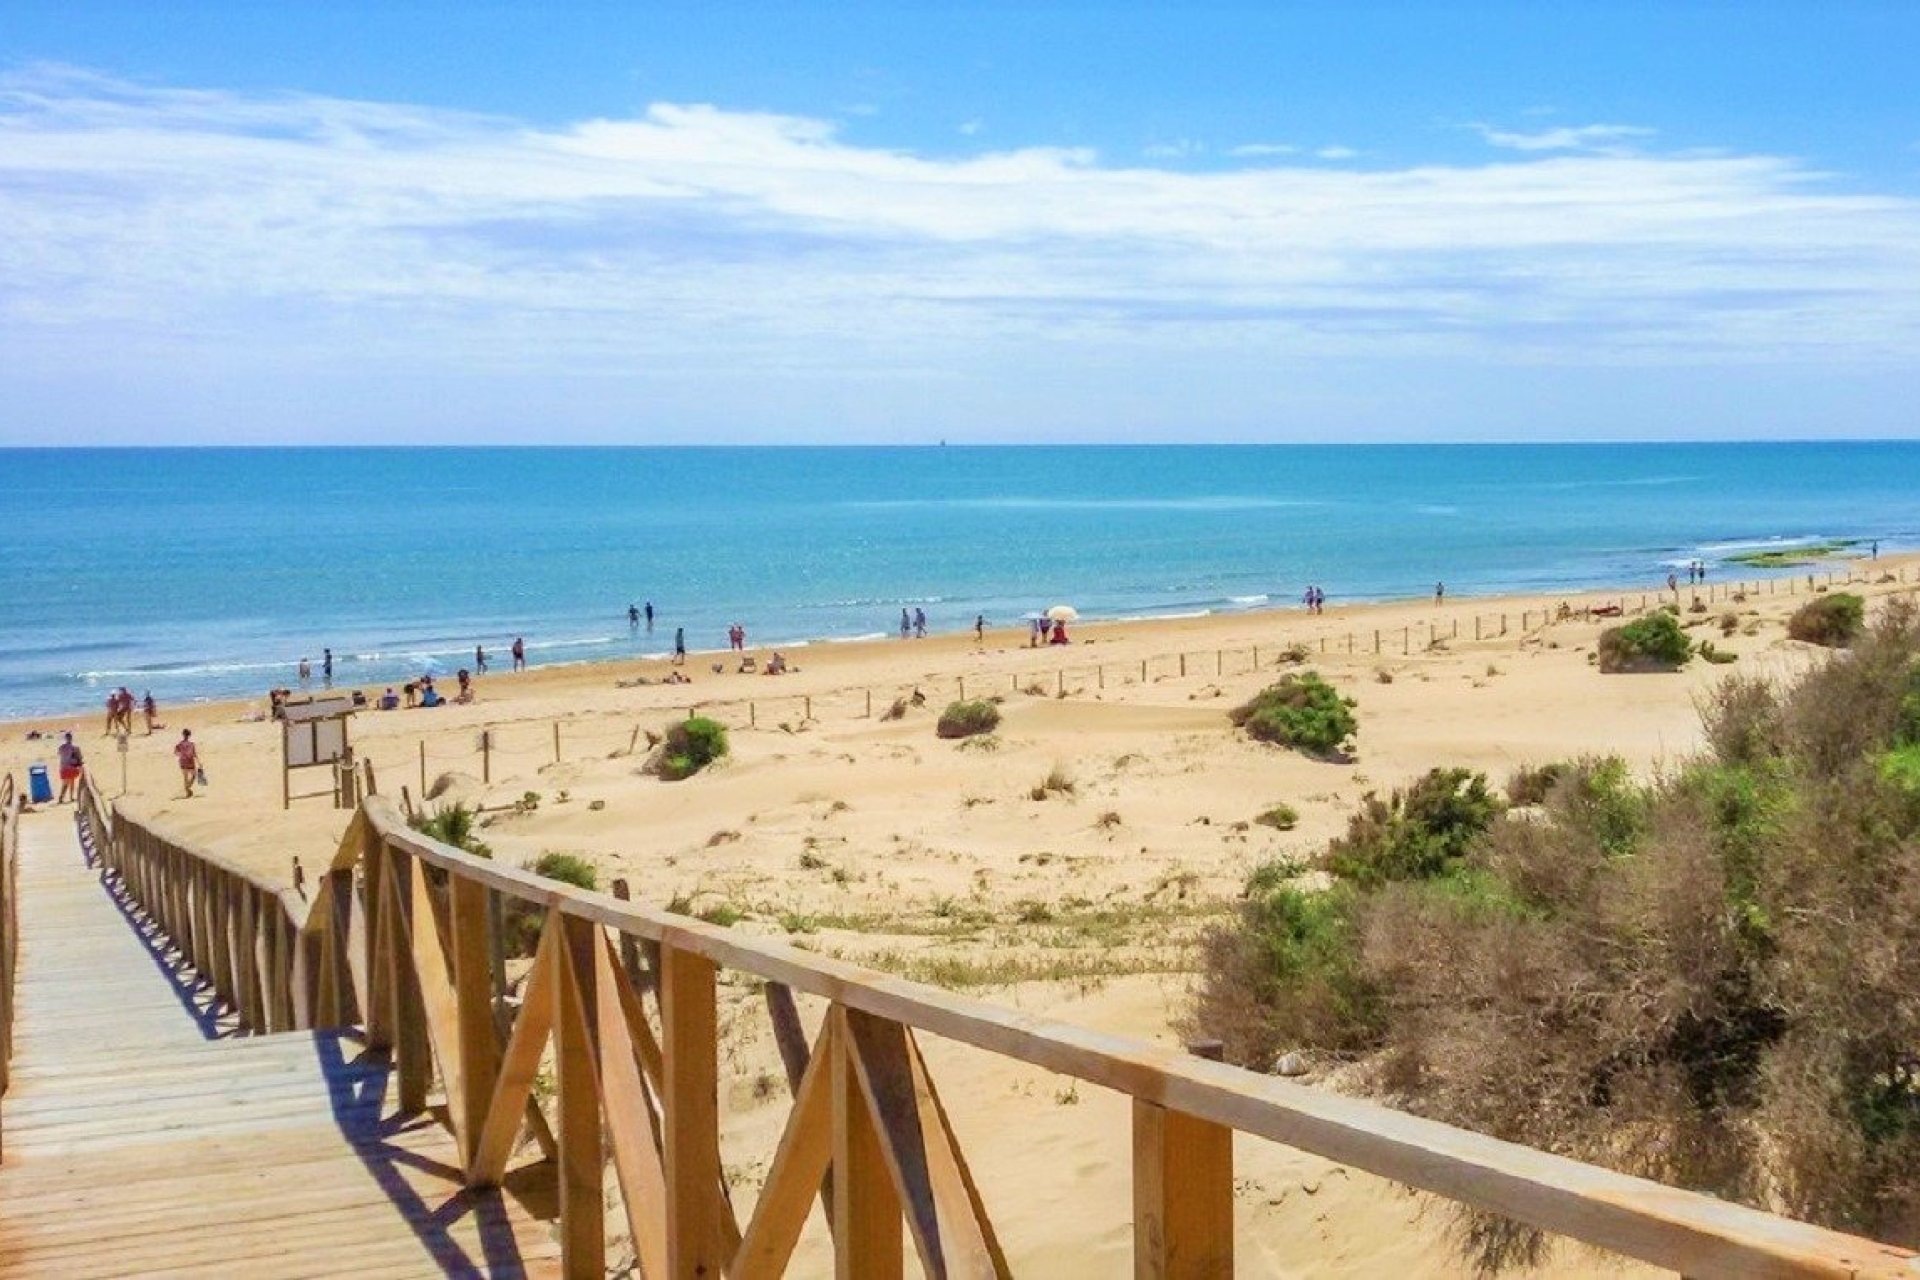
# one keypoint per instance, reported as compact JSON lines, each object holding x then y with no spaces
{"x":140,"y":1138}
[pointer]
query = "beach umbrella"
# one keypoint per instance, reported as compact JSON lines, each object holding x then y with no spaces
{"x":1063,"y":613}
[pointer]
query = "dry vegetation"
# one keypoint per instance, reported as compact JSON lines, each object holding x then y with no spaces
{"x":1706,"y":979}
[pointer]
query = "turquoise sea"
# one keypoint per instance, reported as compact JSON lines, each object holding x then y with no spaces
{"x":198,"y":573}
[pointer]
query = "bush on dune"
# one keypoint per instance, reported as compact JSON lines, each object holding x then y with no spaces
{"x":1704,"y":979}
{"x":690,"y":746}
{"x":1653,"y":643}
{"x":965,"y":719}
{"x":1301,"y":711}
{"x":1833,"y":621}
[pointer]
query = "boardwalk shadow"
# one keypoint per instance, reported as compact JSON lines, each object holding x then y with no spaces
{"x":190,"y":987}
{"x":356,"y":1087}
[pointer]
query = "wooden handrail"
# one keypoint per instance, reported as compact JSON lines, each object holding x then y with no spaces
{"x":404,"y":940}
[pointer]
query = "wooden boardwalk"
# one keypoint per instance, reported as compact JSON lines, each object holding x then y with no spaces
{"x":140,"y":1137}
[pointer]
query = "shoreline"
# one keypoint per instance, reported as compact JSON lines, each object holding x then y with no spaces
{"x":826,"y":654}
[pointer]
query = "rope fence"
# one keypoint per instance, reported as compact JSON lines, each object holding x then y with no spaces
{"x":523,"y":749}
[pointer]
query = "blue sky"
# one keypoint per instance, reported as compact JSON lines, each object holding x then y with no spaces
{"x":759,"y":223}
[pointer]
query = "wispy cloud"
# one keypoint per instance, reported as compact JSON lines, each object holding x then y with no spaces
{"x":1586,"y":137}
{"x":144,"y":222}
{"x":1258,"y":149}
{"x":1336,"y":153}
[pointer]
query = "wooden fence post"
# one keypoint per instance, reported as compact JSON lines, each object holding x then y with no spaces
{"x":556,"y":742}
{"x":486,"y":755}
{"x":423,"y":770}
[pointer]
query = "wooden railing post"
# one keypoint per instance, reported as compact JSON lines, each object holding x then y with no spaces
{"x":413,"y":1057}
{"x":696,"y":1243}
{"x":1182,"y":1192}
{"x":866,"y":1207}
{"x":473,"y":998}
{"x":583,"y":1212}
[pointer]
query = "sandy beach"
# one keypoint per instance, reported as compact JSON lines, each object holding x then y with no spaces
{"x":839,"y":828}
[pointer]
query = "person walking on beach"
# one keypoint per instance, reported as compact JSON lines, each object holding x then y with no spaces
{"x":920,"y":624}
{"x":480,"y":659}
{"x":72,"y":764}
{"x":679,"y":646}
{"x":519,"y":654}
{"x":326,"y":667}
{"x":906,"y":624}
{"x":979,"y":628}
{"x":187,"y":756}
{"x":152,"y":712}
{"x":1439,"y":592}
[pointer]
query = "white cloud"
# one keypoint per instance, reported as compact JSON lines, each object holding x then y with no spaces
{"x":1175,"y":149}
{"x":1589,"y":137}
{"x":1336,"y":153}
{"x":968,"y":128}
{"x":1257,"y":149}
{"x":152,"y":230}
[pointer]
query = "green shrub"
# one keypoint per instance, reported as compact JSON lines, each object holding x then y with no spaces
{"x":1652,"y":643}
{"x":1282,"y":817}
{"x":1834,"y":621}
{"x":1415,"y":834}
{"x":1289,"y":971}
{"x":568,"y":868}
{"x":456,"y":825}
{"x":965,"y":719}
{"x":690,"y":746}
{"x":1301,"y":711}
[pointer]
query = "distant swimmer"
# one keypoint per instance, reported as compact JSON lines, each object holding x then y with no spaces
{"x":633,"y":615}
{"x":649,"y":613}
{"x":519,"y":654}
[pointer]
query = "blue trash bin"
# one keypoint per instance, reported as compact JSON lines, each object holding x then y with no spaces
{"x":39,"y":788}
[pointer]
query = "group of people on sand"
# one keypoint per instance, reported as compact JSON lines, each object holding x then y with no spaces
{"x":73,"y":763}
{"x":120,"y":711}
{"x":1696,"y":574}
{"x":1046,"y":631}
{"x":913,"y":624}
{"x":1315,"y":599}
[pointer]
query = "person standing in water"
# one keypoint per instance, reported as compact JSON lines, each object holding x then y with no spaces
{"x":649,"y":614}
{"x":633,"y":616}
{"x":326,"y":667}
{"x":679,"y":645}
{"x":519,"y":654}
{"x":480,"y":659}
